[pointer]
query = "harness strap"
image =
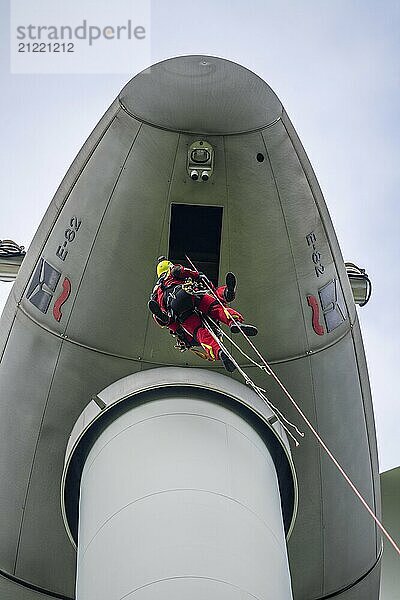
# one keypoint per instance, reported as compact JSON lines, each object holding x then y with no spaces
{"x":195,"y":330}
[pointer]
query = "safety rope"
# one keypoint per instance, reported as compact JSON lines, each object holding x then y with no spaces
{"x":308,"y":423}
{"x":255,"y":363}
{"x":259,"y":391}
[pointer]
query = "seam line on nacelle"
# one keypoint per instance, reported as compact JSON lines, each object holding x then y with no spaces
{"x":28,"y":484}
{"x":163,"y":225}
{"x":354,"y":583}
{"x":99,"y":227}
{"x":59,"y":207}
{"x":366,"y":424}
{"x":209,"y":133}
{"x":150,"y":362}
{"x":31,"y":586}
{"x":321,"y":503}
{"x":65,"y":199}
{"x":313,"y":191}
{"x":285,"y":222}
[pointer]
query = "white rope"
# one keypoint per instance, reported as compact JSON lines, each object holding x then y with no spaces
{"x":282,"y":416}
{"x":310,"y":426}
{"x":255,"y":363}
{"x":249,"y":382}
{"x":259,"y":391}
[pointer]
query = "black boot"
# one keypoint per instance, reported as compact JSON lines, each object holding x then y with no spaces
{"x":155,"y":308}
{"x":230,"y":290}
{"x":227,"y":362}
{"x":249,"y":330}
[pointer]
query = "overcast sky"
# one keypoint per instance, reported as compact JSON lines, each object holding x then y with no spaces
{"x":334,"y":65}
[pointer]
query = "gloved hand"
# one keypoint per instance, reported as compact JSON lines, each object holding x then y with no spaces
{"x":202,"y":277}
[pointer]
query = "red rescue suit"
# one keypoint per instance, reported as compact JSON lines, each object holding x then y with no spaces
{"x":188,"y":324}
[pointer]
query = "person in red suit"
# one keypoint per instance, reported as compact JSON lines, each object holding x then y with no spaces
{"x":173,"y":307}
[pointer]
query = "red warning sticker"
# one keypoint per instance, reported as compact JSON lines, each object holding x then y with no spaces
{"x":313,"y":302}
{"x":62,"y":298}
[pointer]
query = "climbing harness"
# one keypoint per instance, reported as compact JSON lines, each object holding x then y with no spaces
{"x":194,"y":288}
{"x":319,"y":439}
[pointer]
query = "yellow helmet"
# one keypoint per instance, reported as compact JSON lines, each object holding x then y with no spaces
{"x":163,"y":266}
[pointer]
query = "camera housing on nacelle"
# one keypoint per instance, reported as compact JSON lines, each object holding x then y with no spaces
{"x":200,"y":161}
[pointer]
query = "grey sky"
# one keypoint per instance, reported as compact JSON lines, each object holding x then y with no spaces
{"x":335,"y":66}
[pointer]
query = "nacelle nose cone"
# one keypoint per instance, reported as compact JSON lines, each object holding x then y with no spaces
{"x":201,"y":94}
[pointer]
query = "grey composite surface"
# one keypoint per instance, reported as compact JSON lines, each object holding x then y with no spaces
{"x":120,"y":188}
{"x":11,"y":590}
{"x":183,"y":96}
